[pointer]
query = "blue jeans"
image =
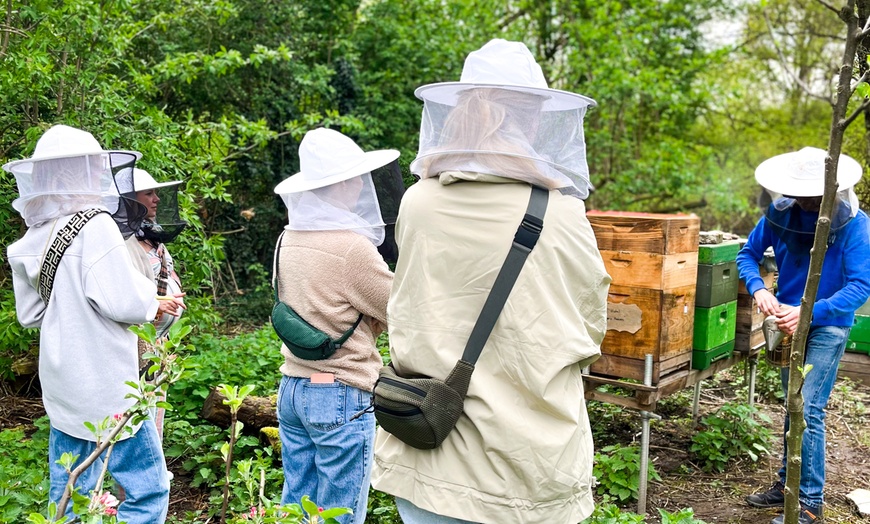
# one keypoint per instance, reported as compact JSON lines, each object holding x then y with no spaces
{"x":825,"y":347}
{"x":326,"y":456}
{"x":411,"y":514}
{"x":136,"y":463}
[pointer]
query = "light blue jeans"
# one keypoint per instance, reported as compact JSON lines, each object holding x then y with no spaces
{"x":136,"y":463}
{"x":326,"y":455}
{"x":411,"y":514}
{"x":825,"y":347}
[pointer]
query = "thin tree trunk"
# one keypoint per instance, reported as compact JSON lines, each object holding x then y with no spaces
{"x":795,"y":402}
{"x":863,"y":66}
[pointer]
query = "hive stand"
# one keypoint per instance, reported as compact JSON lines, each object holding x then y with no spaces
{"x":643,"y":398}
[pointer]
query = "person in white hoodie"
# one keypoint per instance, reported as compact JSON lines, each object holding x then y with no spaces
{"x":86,"y":353}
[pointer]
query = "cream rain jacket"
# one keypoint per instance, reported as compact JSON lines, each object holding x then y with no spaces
{"x":522,"y":451}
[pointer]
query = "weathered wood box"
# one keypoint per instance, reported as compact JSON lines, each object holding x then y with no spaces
{"x":650,"y":270}
{"x":749,"y":315}
{"x":748,"y":342}
{"x":855,"y":366}
{"x":643,"y":321}
{"x":645,"y":232}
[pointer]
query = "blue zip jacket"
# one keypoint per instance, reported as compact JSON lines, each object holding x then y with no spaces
{"x":845,"y":282}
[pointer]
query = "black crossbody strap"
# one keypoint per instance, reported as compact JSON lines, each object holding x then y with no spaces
{"x":53,"y":255}
{"x":524,"y":240}
{"x":277,"y":262}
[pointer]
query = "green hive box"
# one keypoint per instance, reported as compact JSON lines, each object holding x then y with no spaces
{"x":860,"y":330}
{"x":703,"y":359}
{"x":717,"y":284}
{"x":858,"y":347}
{"x":718,"y":253}
{"x":714,"y":326}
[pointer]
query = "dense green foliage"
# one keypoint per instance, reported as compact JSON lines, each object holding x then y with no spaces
{"x":617,"y":470}
{"x":218,"y":93}
{"x":735,"y":431}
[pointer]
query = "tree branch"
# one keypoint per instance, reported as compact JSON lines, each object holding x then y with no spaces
{"x":788,"y":70}
{"x":863,"y":107}
{"x":829,"y":6}
{"x":8,"y":28}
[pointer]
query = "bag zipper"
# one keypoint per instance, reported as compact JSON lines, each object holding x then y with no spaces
{"x":399,"y":412}
{"x":402,"y":385}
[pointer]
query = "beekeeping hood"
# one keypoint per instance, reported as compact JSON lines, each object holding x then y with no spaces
{"x":502,"y":119}
{"x":70,"y":172}
{"x":167,"y":224}
{"x":340,"y":186}
{"x":790,"y":178}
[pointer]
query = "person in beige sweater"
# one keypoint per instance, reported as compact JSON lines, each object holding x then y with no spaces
{"x":329,"y":271}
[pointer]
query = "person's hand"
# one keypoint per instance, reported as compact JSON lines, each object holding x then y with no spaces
{"x":171,"y":305}
{"x":768,"y":303}
{"x":787,"y":319}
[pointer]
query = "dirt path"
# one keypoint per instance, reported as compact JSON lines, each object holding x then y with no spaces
{"x":718,"y":498}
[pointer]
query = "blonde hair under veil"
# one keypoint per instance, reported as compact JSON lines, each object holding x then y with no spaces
{"x":489,"y":124}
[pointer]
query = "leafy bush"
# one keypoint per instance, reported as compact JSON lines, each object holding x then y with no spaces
{"x":734,"y":431}
{"x":23,"y":471}
{"x":683,"y":516}
{"x":250,"y":358}
{"x":617,"y":470}
{"x":607,"y":512}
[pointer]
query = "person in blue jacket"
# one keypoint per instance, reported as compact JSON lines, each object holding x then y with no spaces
{"x":795,"y":182}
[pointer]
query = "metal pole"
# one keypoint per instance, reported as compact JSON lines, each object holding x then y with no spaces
{"x":753,"y":365}
{"x":644,"y":442}
{"x":696,"y":399}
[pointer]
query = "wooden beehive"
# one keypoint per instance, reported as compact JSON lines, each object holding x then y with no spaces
{"x":651,"y":270}
{"x":645,"y":232}
{"x":644,"y":322}
{"x":653,"y":260}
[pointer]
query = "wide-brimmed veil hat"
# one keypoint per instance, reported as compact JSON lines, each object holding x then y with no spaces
{"x":507,"y":65}
{"x":802,"y":173}
{"x":327,"y":157}
{"x":789,"y":179}
{"x":166,"y":224}
{"x":501,"y":118}
{"x":335,"y":187}
{"x":68,"y":172}
{"x":142,"y":181}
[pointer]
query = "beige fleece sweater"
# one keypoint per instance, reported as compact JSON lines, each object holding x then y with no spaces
{"x":329,"y":278}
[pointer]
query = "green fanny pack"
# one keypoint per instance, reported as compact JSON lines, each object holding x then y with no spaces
{"x":301,"y":338}
{"x":422,"y":411}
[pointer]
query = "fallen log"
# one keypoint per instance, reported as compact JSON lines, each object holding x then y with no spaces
{"x":255,"y":412}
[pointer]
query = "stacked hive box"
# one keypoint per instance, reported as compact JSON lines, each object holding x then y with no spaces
{"x":859,"y":337}
{"x":715,"y":304}
{"x":749,"y":317}
{"x":653,"y":260}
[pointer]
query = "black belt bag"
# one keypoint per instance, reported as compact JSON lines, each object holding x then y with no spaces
{"x":421,"y":411}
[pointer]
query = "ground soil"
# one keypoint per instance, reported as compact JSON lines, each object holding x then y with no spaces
{"x":718,"y":498}
{"x":715,"y":498}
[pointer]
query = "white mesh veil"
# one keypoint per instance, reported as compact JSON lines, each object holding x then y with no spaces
{"x":508,"y":133}
{"x":350,"y":204}
{"x":56,"y":187}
